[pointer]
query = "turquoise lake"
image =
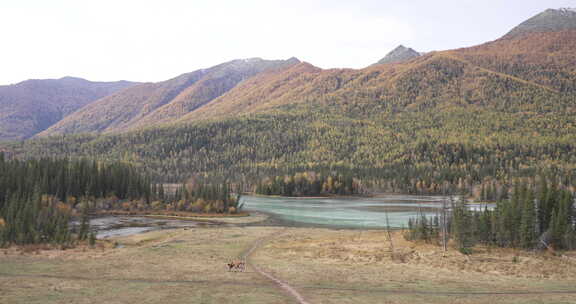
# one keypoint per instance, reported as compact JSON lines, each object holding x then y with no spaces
{"x":347,"y":212}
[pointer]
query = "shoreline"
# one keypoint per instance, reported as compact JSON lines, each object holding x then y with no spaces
{"x":171,"y":214}
{"x":311,"y":197}
{"x":336,"y":196}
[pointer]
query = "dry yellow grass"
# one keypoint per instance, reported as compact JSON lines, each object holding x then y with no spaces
{"x":345,"y":266}
{"x":177,"y":266}
{"x":326,"y":266}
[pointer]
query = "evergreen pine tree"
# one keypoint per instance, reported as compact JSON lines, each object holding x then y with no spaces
{"x":461,"y":227}
{"x":84,"y":223}
{"x":528,"y":224}
{"x":92,"y":239}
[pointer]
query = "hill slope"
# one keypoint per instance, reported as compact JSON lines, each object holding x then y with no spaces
{"x":155,"y":103}
{"x":534,"y":72}
{"x":32,"y":106}
{"x":452,"y":119}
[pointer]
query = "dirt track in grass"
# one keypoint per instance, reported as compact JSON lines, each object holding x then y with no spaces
{"x":321,"y":265}
{"x":283,"y":285}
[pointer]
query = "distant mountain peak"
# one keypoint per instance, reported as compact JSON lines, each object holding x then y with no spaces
{"x":550,"y":20}
{"x":256,"y":62}
{"x":293,"y":60}
{"x":399,"y":54}
{"x":72,"y":78}
{"x":568,"y":10}
{"x":248,"y":60}
{"x":258,"y":59}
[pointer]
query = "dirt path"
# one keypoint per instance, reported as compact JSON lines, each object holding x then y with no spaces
{"x":294,"y":293}
{"x":246,"y":256}
{"x":192,"y":281}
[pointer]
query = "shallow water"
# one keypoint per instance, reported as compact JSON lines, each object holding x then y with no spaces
{"x":112,"y":226}
{"x":347,"y":212}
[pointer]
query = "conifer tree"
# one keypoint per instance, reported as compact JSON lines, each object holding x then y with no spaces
{"x":84,"y":224}
{"x":461,"y":227}
{"x":528,"y":224}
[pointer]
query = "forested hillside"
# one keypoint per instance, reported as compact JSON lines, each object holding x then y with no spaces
{"x":417,"y":152}
{"x":471,"y":120}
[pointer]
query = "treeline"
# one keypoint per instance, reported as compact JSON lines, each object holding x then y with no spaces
{"x":35,"y":219}
{"x":197,"y":197}
{"x":38,"y":198}
{"x":417,"y":153}
{"x":537,"y":216}
{"x":69,"y":180}
{"x":309,"y":184}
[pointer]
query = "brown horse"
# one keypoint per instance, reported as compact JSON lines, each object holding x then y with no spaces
{"x":236,"y":266}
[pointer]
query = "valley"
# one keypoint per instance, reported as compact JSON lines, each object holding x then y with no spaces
{"x":444,"y":176}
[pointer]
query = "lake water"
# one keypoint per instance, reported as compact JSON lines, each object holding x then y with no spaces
{"x":347,"y":212}
{"x":355,"y":213}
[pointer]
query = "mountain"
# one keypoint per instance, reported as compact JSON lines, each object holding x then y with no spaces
{"x":533,"y":71}
{"x":32,"y":106}
{"x":541,"y":60}
{"x":551,"y":20}
{"x":482,"y":115}
{"x":216,"y":82}
{"x":399,"y":54}
{"x":261,"y":93}
{"x":156,"y":103}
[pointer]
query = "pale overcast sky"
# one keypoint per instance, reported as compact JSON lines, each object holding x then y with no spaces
{"x":140,"y":40}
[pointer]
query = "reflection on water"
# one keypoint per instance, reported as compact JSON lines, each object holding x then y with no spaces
{"x":347,"y":212}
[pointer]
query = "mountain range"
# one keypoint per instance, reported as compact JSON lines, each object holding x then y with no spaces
{"x":154,"y":103}
{"x":501,"y":101}
{"x":72,"y":105}
{"x":32,"y":106}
